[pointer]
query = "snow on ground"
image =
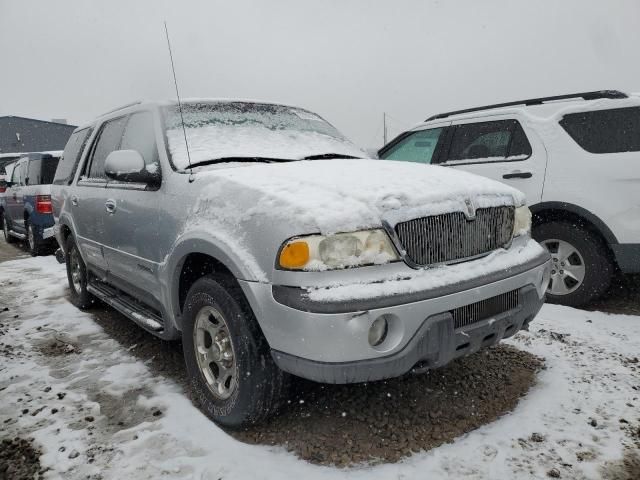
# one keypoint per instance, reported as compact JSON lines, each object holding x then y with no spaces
{"x":590,"y":383}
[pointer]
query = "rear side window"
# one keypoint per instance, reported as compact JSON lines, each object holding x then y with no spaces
{"x":416,"y":147}
{"x":42,"y":170}
{"x":71,"y":157}
{"x":489,"y":141}
{"x":605,"y":131}
{"x":139,"y":135}
{"x":109,"y":140}
{"x":17,"y":176}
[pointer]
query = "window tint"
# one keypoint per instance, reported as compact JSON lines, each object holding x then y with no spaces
{"x":42,"y":170}
{"x":71,"y":157}
{"x":416,"y":147}
{"x":140,"y":136}
{"x":489,"y":141}
{"x":605,"y":131}
{"x":108,"y":140}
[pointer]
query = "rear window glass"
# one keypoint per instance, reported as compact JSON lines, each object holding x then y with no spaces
{"x":71,"y":157}
{"x":605,"y":131}
{"x":42,"y":170}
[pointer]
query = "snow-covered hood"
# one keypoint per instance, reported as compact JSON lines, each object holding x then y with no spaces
{"x":331,"y":196}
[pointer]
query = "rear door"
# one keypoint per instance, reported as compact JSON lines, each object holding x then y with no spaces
{"x":15,"y":201}
{"x":88,"y":203}
{"x":502,"y":149}
{"x":131,"y":242}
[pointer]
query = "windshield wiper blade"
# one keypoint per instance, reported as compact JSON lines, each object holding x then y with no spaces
{"x":236,"y":159}
{"x":322,"y":156}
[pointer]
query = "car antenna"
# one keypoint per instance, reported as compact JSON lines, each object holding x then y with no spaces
{"x":175,"y":81}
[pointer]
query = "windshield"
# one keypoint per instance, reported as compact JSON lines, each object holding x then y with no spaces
{"x":244,"y":129}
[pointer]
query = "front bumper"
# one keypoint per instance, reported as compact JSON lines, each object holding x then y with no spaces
{"x":328,"y":341}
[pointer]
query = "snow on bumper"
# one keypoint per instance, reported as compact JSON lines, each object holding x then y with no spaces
{"x":327,"y":340}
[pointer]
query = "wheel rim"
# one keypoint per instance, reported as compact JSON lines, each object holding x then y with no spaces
{"x":5,"y":228}
{"x":32,"y":238}
{"x":76,"y":271}
{"x":214,"y":352}
{"x":567,"y":269}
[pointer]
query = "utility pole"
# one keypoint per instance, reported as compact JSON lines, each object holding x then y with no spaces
{"x":384,"y":127}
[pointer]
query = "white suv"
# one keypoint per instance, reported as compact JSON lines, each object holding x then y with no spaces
{"x":576,"y":158}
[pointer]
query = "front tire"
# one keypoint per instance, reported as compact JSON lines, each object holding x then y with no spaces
{"x":5,"y":228}
{"x":77,"y":276}
{"x":233,"y":377}
{"x":581,"y":266}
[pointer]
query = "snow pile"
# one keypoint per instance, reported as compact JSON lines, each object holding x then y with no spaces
{"x":330,"y":196}
{"x":589,"y":386}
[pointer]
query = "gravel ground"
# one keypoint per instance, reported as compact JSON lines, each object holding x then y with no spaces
{"x":19,"y":460}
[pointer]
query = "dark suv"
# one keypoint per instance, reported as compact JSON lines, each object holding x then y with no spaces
{"x":26,"y":210}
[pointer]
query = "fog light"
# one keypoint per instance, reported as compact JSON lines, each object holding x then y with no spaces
{"x":378,"y":331}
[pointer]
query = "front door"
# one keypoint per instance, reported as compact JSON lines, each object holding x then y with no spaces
{"x":14,"y":197}
{"x":501,"y":149}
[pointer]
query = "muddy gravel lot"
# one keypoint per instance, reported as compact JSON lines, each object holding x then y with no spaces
{"x":377,"y":423}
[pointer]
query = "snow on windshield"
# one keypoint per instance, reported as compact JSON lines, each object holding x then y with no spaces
{"x":243,"y":129}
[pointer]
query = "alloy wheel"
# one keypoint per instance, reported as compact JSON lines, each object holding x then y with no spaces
{"x":32,"y":238}
{"x":76,"y":271}
{"x":214,"y":352}
{"x":567,"y":267}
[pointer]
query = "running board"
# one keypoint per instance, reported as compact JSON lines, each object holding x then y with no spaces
{"x":21,"y":236}
{"x":126,"y":305}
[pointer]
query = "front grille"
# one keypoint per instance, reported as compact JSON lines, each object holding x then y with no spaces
{"x":451,"y":236}
{"x":469,"y":314}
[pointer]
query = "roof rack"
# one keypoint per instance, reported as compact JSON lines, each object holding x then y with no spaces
{"x":122,"y":107}
{"x":614,"y":94}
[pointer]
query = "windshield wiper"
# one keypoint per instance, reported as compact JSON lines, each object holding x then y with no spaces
{"x":322,"y":156}
{"x":236,"y":159}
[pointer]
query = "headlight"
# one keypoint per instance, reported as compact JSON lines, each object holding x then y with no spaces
{"x":522,"y":221}
{"x":342,"y":250}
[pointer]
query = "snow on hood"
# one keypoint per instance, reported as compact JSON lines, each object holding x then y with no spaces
{"x":329,"y":196}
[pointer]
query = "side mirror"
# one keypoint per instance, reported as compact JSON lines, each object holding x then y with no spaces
{"x":128,"y":166}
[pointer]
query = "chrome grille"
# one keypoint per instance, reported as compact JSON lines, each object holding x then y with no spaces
{"x":451,"y":236}
{"x":469,"y":314}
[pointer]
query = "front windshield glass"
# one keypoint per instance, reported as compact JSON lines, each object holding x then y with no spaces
{"x":243,"y":129}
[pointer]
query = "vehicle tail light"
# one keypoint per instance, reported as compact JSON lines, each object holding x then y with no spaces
{"x":43,"y":204}
{"x":3,"y":189}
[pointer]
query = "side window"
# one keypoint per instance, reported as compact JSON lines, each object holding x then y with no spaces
{"x":139,"y":135}
{"x":416,"y":147}
{"x":71,"y":157}
{"x":108,"y":140}
{"x":16,"y":177}
{"x":489,"y":141}
{"x":605,"y":131}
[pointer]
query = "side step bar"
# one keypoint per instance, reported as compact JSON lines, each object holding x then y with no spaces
{"x":126,"y":305}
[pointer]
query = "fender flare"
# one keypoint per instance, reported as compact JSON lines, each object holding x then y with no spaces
{"x":602,"y":227}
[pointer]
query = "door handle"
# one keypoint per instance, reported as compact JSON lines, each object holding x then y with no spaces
{"x":110,"y":205}
{"x":74,"y":200}
{"x":517,"y":175}
{"x":15,"y":196}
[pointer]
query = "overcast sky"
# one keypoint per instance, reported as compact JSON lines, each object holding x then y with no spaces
{"x":348,"y":60}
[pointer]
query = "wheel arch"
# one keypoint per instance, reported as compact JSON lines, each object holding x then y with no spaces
{"x":550,"y":211}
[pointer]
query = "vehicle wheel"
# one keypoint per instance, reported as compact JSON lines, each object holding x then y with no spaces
{"x":34,"y":242}
{"x":581,"y":268}
{"x":233,"y":377}
{"x":77,"y":275}
{"x":5,"y":228}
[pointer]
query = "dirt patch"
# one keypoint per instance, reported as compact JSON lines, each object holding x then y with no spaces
{"x":623,"y":297}
{"x":386,"y":421}
{"x":19,"y":460}
{"x":626,"y":469}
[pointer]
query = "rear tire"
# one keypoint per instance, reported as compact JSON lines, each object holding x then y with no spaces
{"x":77,"y":276}
{"x":34,"y":242}
{"x":5,"y":228}
{"x":581,"y":265}
{"x":222,"y":341}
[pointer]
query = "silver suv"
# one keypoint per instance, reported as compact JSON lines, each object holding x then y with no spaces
{"x":253,"y":232}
